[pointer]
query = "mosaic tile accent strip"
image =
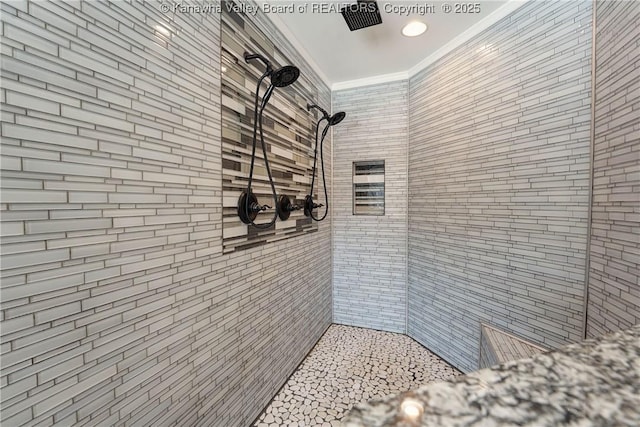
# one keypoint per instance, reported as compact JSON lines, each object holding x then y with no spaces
{"x":347,"y":366}
{"x":289,"y":133}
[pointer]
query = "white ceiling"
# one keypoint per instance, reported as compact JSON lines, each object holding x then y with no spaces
{"x":344,"y":56}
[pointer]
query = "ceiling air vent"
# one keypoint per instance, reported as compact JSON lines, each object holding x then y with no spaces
{"x":363,"y":14}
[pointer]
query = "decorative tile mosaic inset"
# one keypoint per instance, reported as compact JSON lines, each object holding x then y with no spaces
{"x":288,"y":132}
{"x":347,"y":366}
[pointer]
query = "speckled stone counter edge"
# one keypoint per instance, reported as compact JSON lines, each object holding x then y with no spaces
{"x":592,"y":383}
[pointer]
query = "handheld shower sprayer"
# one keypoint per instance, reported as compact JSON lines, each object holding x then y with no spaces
{"x":309,"y":204}
{"x":248,"y":206}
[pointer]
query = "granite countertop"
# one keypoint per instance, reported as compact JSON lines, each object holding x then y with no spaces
{"x":592,"y":383}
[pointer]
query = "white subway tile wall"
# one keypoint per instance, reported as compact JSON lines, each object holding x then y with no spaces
{"x":118,"y":307}
{"x":369,"y":258}
{"x":614,"y":284}
{"x":499,"y":184}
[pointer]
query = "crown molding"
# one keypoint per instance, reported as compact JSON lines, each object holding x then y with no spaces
{"x":373,"y":80}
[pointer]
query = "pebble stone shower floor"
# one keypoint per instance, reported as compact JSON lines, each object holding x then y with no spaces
{"x":349,"y":365}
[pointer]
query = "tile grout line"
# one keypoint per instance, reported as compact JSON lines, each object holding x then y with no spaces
{"x":592,"y":146}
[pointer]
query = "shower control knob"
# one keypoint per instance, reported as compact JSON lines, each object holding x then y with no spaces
{"x":291,"y":208}
{"x":257,"y":208}
{"x":309,"y":205}
{"x":285,"y":207}
{"x":248,"y":207}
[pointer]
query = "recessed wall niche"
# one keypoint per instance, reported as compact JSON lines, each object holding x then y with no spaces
{"x":368,"y":187}
{"x":288,"y":134}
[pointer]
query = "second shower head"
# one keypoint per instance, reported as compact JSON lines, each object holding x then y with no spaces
{"x":337,"y":118}
{"x":333,"y":120}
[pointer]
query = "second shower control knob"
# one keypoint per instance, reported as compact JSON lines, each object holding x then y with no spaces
{"x":309,"y":205}
{"x":285,"y":207}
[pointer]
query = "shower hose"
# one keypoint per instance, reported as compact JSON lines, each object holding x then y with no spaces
{"x":257,"y":122}
{"x":324,"y":182}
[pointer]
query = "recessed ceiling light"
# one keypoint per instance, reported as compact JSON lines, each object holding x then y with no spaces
{"x":414,"y":28}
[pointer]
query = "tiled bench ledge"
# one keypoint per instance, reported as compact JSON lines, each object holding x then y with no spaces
{"x":497,"y":347}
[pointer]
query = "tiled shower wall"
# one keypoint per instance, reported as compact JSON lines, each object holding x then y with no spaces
{"x":369,"y":258}
{"x":118,"y":307}
{"x":614,"y":287}
{"x":499,"y":184}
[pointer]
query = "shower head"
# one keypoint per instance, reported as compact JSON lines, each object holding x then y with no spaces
{"x":279,"y":78}
{"x":333,"y":120}
{"x":285,"y":76}
{"x":337,"y":118}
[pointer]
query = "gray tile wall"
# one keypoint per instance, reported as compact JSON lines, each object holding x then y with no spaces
{"x":498,"y":184}
{"x":118,"y":307}
{"x":369,"y":258}
{"x":614,"y":284}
